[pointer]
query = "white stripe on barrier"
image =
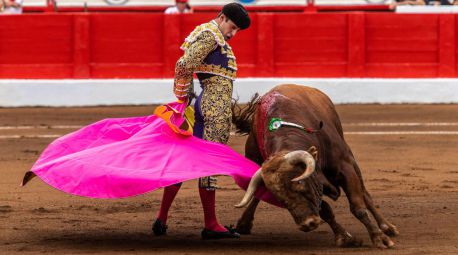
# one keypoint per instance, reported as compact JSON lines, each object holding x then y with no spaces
{"x":56,"y":93}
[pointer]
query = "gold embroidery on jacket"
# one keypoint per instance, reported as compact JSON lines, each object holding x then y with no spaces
{"x":211,"y":27}
{"x":192,"y":59}
{"x":217,"y":70}
{"x":216,"y":109}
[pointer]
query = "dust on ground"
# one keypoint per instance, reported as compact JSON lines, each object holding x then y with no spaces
{"x":413,"y":178}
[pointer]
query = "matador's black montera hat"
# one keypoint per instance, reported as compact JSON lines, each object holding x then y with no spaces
{"x":237,"y":13}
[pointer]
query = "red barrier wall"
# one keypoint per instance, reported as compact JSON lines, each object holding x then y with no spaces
{"x":146,"y":45}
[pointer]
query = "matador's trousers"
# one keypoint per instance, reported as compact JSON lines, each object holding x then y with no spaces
{"x":213,"y":116}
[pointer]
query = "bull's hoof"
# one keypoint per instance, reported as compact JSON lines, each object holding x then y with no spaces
{"x":389,"y":229}
{"x":382,"y":241}
{"x":244,"y":228}
{"x":345,"y":240}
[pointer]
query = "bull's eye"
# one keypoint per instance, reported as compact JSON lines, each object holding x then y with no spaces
{"x":301,"y":182}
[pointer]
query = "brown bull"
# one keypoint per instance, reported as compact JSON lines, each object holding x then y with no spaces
{"x":304,"y":156}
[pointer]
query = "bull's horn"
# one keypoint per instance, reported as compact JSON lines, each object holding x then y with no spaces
{"x":27,"y":177}
{"x":301,"y":156}
{"x":254,"y":184}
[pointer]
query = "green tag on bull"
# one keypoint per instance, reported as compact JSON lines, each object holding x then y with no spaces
{"x":277,"y":123}
{"x":274,"y":124}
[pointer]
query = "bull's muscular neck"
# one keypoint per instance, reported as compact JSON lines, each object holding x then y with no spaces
{"x":289,"y":139}
{"x":276,"y":105}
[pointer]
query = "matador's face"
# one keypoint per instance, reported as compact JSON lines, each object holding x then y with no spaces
{"x":181,"y":6}
{"x":227,"y":27}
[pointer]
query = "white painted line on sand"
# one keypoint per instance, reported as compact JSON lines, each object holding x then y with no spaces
{"x":362,"y":124}
{"x":400,"y":124}
{"x":402,"y":133}
{"x":28,"y":136}
{"x":40,"y":127}
{"x":232,"y":133}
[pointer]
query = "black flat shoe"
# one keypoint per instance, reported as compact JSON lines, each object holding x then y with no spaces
{"x":213,"y":235}
{"x":159,"y":228}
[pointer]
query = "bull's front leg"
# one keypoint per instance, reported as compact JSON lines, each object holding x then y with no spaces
{"x":245,"y":223}
{"x":342,"y":237}
{"x":384,"y":225}
{"x":352,"y":186}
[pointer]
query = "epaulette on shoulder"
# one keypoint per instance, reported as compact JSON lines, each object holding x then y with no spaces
{"x":211,"y":27}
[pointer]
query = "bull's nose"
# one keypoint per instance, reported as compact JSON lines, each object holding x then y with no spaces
{"x":310,"y":223}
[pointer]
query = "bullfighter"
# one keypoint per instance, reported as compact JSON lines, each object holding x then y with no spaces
{"x":208,"y":55}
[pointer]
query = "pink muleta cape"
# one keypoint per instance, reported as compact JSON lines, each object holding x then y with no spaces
{"x":124,"y":157}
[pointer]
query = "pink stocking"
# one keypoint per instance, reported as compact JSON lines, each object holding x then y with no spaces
{"x":169,"y":195}
{"x":207,"y":197}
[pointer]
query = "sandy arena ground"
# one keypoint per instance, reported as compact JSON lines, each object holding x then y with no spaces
{"x":411,"y":172}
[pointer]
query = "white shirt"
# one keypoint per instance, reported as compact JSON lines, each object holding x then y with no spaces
{"x":174,"y":10}
{"x":12,"y":10}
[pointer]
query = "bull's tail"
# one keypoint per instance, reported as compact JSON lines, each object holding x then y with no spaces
{"x":243,"y":117}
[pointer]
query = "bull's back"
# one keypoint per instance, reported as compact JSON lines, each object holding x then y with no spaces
{"x":301,"y":105}
{"x":308,"y":101}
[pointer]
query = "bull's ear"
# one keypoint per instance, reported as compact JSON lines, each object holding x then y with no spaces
{"x":314,"y":152}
